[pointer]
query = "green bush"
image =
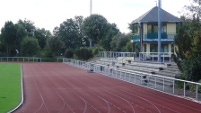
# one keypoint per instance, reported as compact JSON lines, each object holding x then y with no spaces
{"x":84,"y":53}
{"x":191,"y":68}
{"x":46,"y":59}
{"x":96,"y":49}
{"x":193,"y":87}
{"x":69,"y":53}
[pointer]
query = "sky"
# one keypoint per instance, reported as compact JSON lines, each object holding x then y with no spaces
{"x":51,"y":13}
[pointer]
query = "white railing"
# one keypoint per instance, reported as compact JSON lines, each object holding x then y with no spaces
{"x":153,"y":56}
{"x":178,"y":87}
{"x":20,"y":59}
{"x":114,"y":54}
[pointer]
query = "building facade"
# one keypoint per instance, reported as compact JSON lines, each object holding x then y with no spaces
{"x":147,"y":31}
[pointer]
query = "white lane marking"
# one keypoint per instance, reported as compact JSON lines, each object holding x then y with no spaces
{"x":108,"y":106}
{"x":143,"y":99}
{"x":43,"y":103}
{"x":122,"y":99}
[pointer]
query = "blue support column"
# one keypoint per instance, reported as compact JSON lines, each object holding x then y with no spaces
{"x":159,"y":30}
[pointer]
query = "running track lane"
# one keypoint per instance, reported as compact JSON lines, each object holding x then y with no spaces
{"x":60,"y":88}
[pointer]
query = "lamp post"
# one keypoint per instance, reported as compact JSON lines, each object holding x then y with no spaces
{"x":90,"y":41}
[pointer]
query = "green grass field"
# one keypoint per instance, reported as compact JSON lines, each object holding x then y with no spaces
{"x":10,"y":86}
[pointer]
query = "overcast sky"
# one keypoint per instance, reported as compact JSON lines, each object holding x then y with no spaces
{"x":50,"y":13}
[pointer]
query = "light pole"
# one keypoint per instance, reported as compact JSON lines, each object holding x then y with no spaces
{"x":90,"y":41}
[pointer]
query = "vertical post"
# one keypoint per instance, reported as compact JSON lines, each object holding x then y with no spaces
{"x":163,"y":84}
{"x":90,"y":14}
{"x":159,"y":30}
{"x":184,"y":89}
{"x":141,"y":36}
{"x":155,"y":83}
{"x":173,"y":86}
{"x":196,"y":92}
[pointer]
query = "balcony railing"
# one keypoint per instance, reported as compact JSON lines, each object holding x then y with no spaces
{"x":164,"y":35}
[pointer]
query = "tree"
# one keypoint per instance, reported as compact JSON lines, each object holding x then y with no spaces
{"x":29,"y":27}
{"x":30,"y":46}
{"x":55,"y":45}
{"x":84,"y":53}
{"x":112,"y":31}
{"x":69,"y":33}
{"x":20,"y":34}
{"x":189,"y":49}
{"x":8,"y":36}
{"x":183,"y":39}
{"x":95,"y":27}
{"x":42,"y":35}
{"x":119,"y":42}
{"x":194,"y":8}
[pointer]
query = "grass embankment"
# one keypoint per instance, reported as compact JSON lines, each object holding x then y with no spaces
{"x":10,"y":86}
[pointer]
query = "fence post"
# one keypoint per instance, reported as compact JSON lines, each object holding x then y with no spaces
{"x":163,"y":84}
{"x":173,"y":86}
{"x":196,"y":91}
{"x":155,"y":83}
{"x":184,"y":89}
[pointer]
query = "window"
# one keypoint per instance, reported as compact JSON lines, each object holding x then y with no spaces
{"x":154,"y":48}
{"x":164,"y":48}
{"x":149,"y":30}
{"x":145,"y":47}
{"x":153,"y":27}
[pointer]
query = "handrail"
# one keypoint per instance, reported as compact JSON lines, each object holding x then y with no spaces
{"x":137,"y":77}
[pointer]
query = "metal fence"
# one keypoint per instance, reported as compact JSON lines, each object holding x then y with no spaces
{"x":20,"y":59}
{"x":178,"y":87}
{"x":153,"y":56}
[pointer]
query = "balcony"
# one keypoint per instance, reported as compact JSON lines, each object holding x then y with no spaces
{"x":150,"y":37}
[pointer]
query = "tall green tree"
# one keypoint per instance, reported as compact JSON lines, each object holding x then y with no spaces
{"x":69,"y":33}
{"x":95,"y":27}
{"x":29,"y":46}
{"x":119,"y":41}
{"x":188,"y":40}
{"x":8,"y":34}
{"x":20,"y":34}
{"x":183,"y":39}
{"x":29,"y":27}
{"x":55,"y":45}
{"x":42,"y":35}
{"x":111,"y":32}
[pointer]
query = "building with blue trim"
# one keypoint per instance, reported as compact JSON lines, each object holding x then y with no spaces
{"x":147,"y":31}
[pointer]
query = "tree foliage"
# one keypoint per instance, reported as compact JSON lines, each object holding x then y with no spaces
{"x":84,"y":53}
{"x":95,"y":27}
{"x":29,"y":27}
{"x":119,"y":42}
{"x":14,"y":34}
{"x":8,"y":36}
{"x":111,"y":32}
{"x":42,"y":35}
{"x":69,"y":53}
{"x":194,"y":8}
{"x":189,"y":49}
{"x":29,"y":47}
{"x":70,"y":32}
{"x":55,"y":45}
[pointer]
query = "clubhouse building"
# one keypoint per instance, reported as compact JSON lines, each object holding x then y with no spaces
{"x":146,"y":36}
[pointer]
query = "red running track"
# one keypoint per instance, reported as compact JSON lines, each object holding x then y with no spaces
{"x":60,"y":88}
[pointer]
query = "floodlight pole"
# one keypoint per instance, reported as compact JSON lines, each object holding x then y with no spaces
{"x":159,"y":30}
